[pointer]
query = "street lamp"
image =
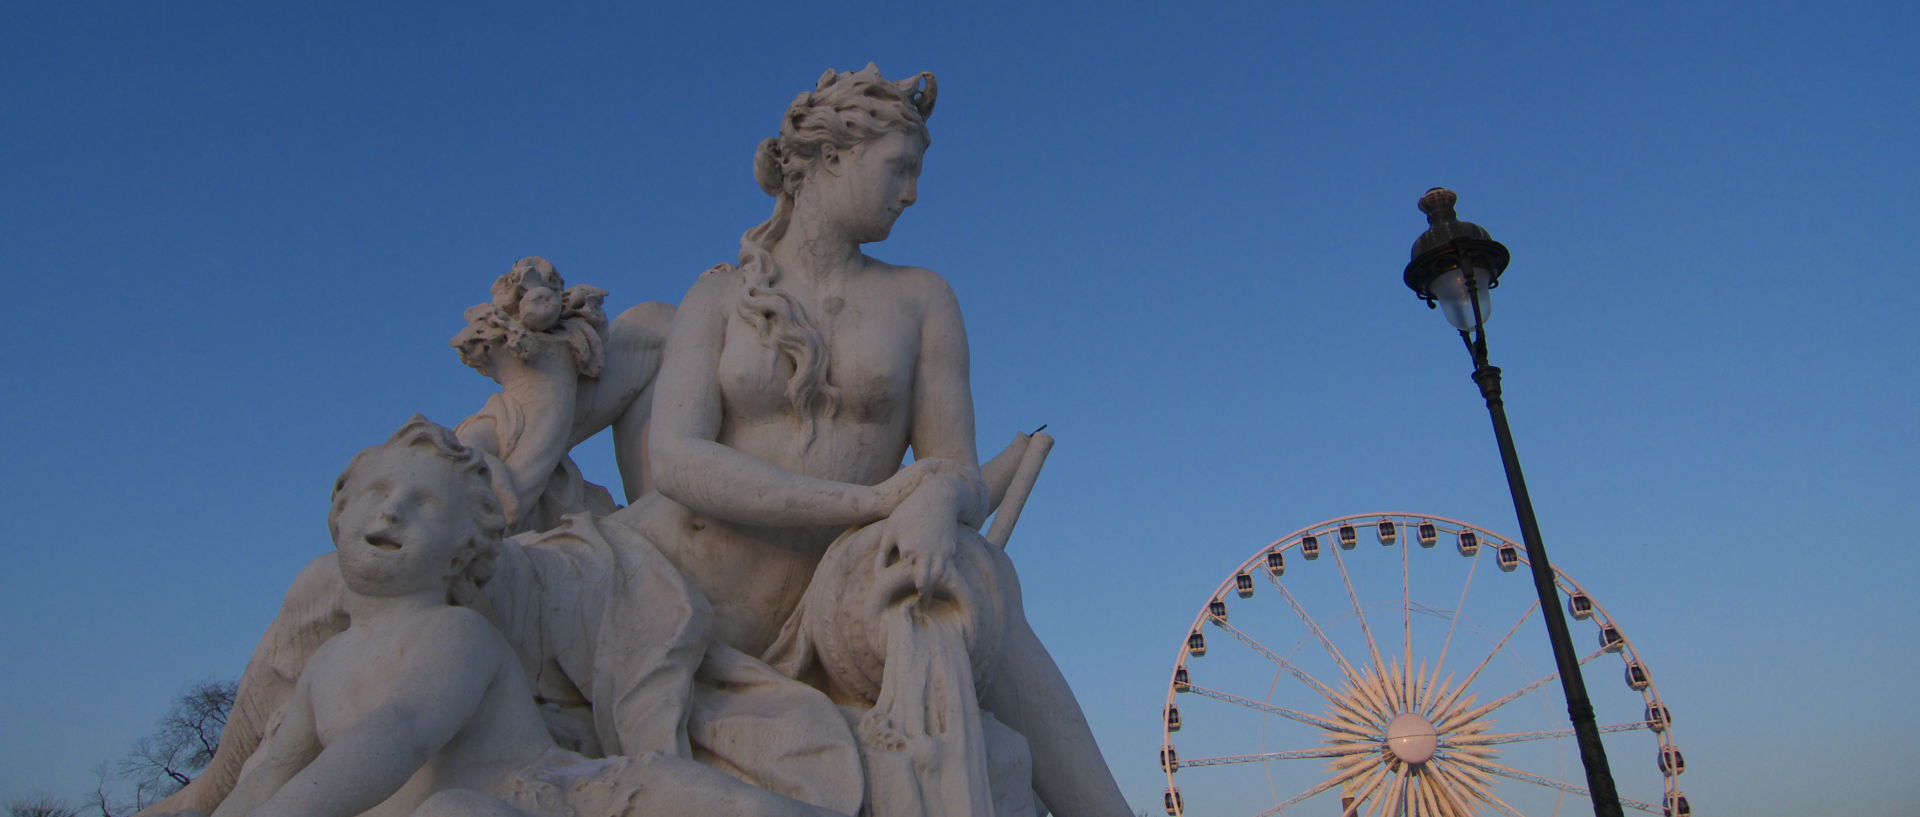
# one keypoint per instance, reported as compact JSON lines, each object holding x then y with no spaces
{"x":1455,"y":267}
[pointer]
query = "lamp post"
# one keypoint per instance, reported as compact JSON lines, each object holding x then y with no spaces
{"x":1455,"y":266}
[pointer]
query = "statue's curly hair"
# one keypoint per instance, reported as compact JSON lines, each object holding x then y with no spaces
{"x":843,"y":110}
{"x":489,"y":521}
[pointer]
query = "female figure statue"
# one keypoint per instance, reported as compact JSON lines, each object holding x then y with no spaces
{"x":794,"y":382}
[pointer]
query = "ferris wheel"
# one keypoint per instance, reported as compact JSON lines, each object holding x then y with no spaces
{"x":1401,"y":679}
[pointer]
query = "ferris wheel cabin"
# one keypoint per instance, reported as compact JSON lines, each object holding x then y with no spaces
{"x":1509,"y":557}
{"x":1310,"y":547}
{"x":1580,"y":606}
{"x":1243,"y":584}
{"x":1348,"y":536}
{"x":1387,"y":532}
{"x":1196,"y":644}
{"x":1277,"y":563}
{"x":1429,"y":534}
{"x":1469,"y":543}
{"x":1677,"y":806}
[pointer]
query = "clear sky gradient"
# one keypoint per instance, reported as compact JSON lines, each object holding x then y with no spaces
{"x":1177,"y":235}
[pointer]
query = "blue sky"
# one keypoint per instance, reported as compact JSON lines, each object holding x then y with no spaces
{"x":1176,"y":234}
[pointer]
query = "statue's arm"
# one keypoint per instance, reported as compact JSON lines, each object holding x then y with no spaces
{"x":690,"y":468}
{"x":290,"y":745}
{"x":437,"y":690}
{"x":542,"y":390}
{"x":943,"y":396}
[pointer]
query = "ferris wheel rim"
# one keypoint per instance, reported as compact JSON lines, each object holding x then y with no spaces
{"x":1409,"y":523}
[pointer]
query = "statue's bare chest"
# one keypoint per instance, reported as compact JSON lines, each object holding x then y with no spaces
{"x":870,"y":344}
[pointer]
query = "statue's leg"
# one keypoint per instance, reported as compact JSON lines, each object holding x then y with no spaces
{"x":1028,"y":693}
{"x":313,"y":611}
{"x":464,"y":803}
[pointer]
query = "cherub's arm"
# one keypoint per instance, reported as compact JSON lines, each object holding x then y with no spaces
{"x":447,"y":670}
{"x":289,"y":746}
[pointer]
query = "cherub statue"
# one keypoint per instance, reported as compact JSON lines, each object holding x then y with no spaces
{"x":420,"y":707}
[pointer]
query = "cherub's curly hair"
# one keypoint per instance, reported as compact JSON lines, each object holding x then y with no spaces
{"x":489,"y":522}
{"x":843,"y":110}
{"x":497,"y":325}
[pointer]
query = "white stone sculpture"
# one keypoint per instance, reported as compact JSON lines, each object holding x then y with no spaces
{"x":782,"y":602}
{"x":420,"y":707}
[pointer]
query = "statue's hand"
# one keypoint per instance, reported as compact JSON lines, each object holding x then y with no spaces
{"x":905,"y":482}
{"x":924,"y":529}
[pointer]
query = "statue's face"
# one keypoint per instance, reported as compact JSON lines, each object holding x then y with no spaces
{"x":404,"y":523}
{"x":866,"y":188}
{"x":540,"y":309}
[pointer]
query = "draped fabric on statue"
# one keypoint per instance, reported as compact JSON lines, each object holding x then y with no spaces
{"x":601,"y":619}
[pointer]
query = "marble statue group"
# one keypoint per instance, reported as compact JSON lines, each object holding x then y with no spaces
{"x":780,"y":619}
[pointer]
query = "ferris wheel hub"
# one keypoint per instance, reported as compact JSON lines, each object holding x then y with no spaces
{"x":1411,"y":738}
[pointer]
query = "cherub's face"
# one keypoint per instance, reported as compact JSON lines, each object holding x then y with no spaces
{"x":540,"y":309}
{"x":404,"y":523}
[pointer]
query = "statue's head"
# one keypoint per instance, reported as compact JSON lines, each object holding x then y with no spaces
{"x":851,"y":146}
{"x":418,"y":512}
{"x":844,"y":110}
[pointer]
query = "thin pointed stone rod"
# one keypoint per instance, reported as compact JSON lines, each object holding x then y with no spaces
{"x":1493,"y":768}
{"x":1469,"y":785}
{"x":1295,"y":754}
{"x":1314,"y":627}
{"x":1455,"y":622}
{"x":1373,"y":647}
{"x":1443,"y":691}
{"x":1365,"y":791}
{"x":1319,"y":788}
{"x":1548,"y":734}
{"x":1482,"y":710}
{"x":1365,"y":692}
{"x":1254,"y":644}
{"x":1445,"y":792}
{"x":1430,"y":803}
{"x":1302,"y":717}
{"x":1395,"y":789}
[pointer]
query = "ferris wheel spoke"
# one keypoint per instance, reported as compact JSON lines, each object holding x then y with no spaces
{"x":1511,"y":773}
{"x":1406,"y":624}
{"x":1373,"y":647}
{"x":1267,"y":653}
{"x":1500,"y":646}
{"x":1302,"y":717}
{"x":1481,"y":711}
{"x":1314,"y":627}
{"x":1341,"y":750}
{"x":1547,"y":734}
{"x":1319,"y":788}
{"x":1454,"y":622}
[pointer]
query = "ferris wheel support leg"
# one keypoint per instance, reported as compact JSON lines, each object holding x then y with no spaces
{"x":1593,"y":755}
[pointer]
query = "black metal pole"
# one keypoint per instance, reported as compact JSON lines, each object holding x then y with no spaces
{"x":1593,"y":755}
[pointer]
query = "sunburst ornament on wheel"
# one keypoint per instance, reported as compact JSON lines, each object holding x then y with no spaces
{"x":1406,"y":724}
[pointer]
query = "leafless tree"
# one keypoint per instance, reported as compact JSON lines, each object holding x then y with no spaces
{"x":161,"y":763}
{"x":41,"y":805}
